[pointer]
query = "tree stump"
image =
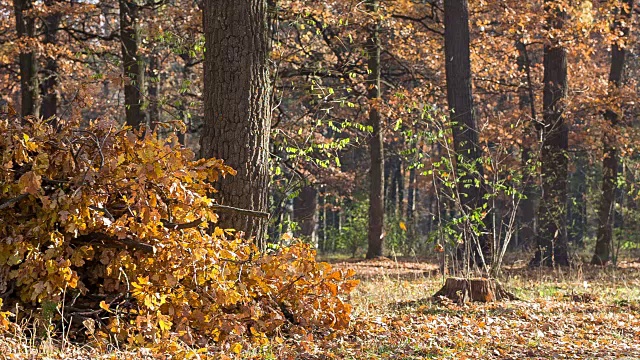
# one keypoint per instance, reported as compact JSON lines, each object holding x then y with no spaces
{"x":463,"y":290}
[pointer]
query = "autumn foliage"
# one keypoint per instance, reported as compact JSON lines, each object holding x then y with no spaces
{"x":122,"y":223}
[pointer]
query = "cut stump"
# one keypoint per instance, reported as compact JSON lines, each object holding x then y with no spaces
{"x":463,"y":290}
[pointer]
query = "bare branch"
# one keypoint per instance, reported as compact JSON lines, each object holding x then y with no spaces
{"x":231,"y":209}
{"x":8,"y":202}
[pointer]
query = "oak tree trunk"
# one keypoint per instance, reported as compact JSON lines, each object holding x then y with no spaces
{"x":526,"y":207}
{"x":50,"y":96}
{"x":237,"y":112}
{"x":411,"y":194}
{"x":132,"y":63}
{"x":552,"y":211}
{"x":305,"y":214}
{"x":376,"y":144}
{"x":25,"y":28}
{"x":154,"y":89}
{"x":465,"y":130}
{"x":604,"y":240}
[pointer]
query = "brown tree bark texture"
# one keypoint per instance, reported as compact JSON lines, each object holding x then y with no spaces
{"x":469,"y":290}
{"x":49,"y":92}
{"x":465,"y":130}
{"x":306,"y":215}
{"x":604,"y":240}
{"x":25,"y":27}
{"x":132,"y":63}
{"x":237,"y":118}
{"x":376,"y":144}
{"x":552,"y":211}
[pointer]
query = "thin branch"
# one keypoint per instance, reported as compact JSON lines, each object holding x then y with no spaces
{"x":113,"y":241}
{"x":8,"y":202}
{"x":189,"y":225}
{"x":231,"y":209}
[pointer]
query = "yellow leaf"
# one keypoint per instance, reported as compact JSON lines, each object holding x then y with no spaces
{"x":104,"y":305}
{"x":164,"y":324}
{"x":236,"y":348}
{"x":403,"y":226}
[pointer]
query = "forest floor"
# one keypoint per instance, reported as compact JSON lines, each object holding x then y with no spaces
{"x":579,"y":313}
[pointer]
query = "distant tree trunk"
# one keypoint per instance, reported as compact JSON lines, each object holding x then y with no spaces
{"x":393,"y":193}
{"x":376,"y":144}
{"x":552,"y":211}
{"x":154,"y":89}
{"x":25,"y":28}
{"x":50,"y":82}
{"x":305,"y":214}
{"x":411,"y":194}
{"x":237,"y":118}
{"x":526,"y":209}
{"x":465,"y":132}
{"x":322,"y":233}
{"x":577,"y":204}
{"x":132,"y":63}
{"x":389,"y":191}
{"x":604,"y":240}
{"x":399,"y":176}
{"x":182,"y":107}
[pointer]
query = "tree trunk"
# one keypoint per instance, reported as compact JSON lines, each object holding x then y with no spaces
{"x":411,"y":194}
{"x":465,"y":130}
{"x":577,"y":204}
{"x":526,"y":208}
{"x":604,"y":240}
{"x":132,"y":63}
{"x":376,"y":144}
{"x":237,"y":106}
{"x":322,"y":233}
{"x":25,"y":28}
{"x":305,"y":214}
{"x":399,"y":180}
{"x":393,"y":194}
{"x":154,"y":89}
{"x":465,"y":290}
{"x":48,"y":89}
{"x":552,"y":211}
{"x":182,"y":107}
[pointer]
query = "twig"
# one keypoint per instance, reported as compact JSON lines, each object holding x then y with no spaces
{"x":189,"y":225}
{"x":231,"y":209}
{"x":6,"y":203}
{"x":112,"y":241}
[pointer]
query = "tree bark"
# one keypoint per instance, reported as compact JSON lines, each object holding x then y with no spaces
{"x":25,"y":28}
{"x":577,"y":204}
{"x":48,"y":89}
{"x":604,"y":240}
{"x":469,"y":290}
{"x":376,"y":144}
{"x":305,"y":214}
{"x":411,"y":194}
{"x":237,"y":96}
{"x":552,"y":211}
{"x":132,"y":63}
{"x":526,"y":208}
{"x":465,"y":130}
{"x":154,"y":89}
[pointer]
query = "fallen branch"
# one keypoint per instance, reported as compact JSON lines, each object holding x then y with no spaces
{"x":8,"y":202}
{"x":189,"y":225}
{"x":231,"y":209}
{"x":112,"y":241}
